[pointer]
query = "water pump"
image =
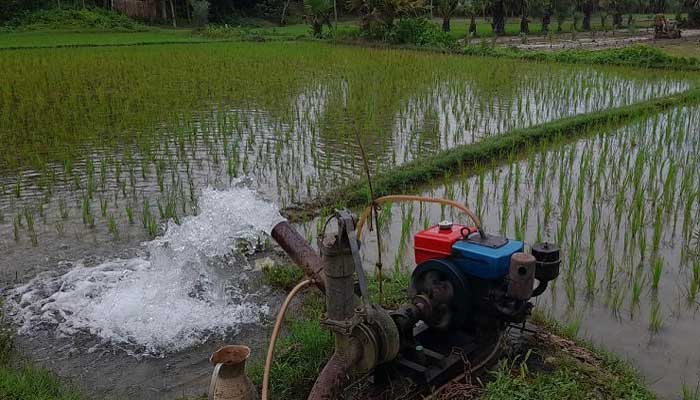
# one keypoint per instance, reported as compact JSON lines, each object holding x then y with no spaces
{"x":467,"y":288}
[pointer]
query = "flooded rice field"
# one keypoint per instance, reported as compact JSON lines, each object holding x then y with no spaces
{"x":141,"y":182}
{"x":624,"y":205}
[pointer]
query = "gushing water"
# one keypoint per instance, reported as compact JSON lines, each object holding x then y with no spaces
{"x":190,"y":285}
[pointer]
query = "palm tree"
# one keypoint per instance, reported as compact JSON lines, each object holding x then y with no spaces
{"x":446,"y":9}
{"x":384,"y":11}
{"x":318,"y":12}
{"x":498,"y":13}
{"x":471,"y":8}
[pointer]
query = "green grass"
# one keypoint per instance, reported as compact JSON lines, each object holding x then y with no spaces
{"x":86,"y":37}
{"x":680,"y":49}
{"x":20,"y":380}
{"x":559,"y":375}
{"x":42,"y":39}
{"x":304,"y":346}
{"x":282,"y":276}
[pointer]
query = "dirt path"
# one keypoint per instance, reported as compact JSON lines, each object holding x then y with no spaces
{"x":595,"y":40}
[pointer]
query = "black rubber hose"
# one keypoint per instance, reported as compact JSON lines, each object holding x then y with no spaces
{"x":541,"y":287}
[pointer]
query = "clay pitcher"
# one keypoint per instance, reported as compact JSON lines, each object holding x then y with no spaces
{"x":229,"y":381}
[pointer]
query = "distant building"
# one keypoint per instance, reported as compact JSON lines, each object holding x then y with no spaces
{"x":141,"y":9}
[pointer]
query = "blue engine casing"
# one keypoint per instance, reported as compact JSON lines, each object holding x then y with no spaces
{"x":485,"y":260}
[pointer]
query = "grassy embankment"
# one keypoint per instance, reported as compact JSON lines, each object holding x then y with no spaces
{"x":407,"y":177}
{"x":634,"y":56}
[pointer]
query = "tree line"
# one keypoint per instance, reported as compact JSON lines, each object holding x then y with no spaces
{"x":550,"y":13}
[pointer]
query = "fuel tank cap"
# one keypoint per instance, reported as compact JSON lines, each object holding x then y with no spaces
{"x":445,"y":225}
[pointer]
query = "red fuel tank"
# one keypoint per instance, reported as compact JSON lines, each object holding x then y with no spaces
{"x":437,"y":241}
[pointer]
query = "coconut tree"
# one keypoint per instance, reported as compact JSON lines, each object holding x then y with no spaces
{"x":318,"y":13}
{"x":498,"y":14}
{"x":384,"y":11}
{"x":588,"y":7}
{"x":471,"y":9}
{"x":524,"y":20}
{"x":447,"y":9}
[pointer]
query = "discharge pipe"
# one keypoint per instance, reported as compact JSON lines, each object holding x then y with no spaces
{"x":300,"y":252}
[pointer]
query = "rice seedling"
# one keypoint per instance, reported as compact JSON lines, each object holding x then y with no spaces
{"x":690,"y":393}
{"x":655,"y":318}
{"x":113,"y":228}
{"x":18,"y":187}
{"x":130,"y":213}
{"x":88,"y":216}
{"x":60,"y":228}
{"x":638,"y":281}
{"x":656,"y":271}
{"x":694,"y":282}
{"x":148,"y":220}
{"x":31,"y":231}
{"x":16,"y":225}
{"x":591,"y":276}
{"x":103,"y":207}
{"x":617,"y":299}
{"x":63,"y":209}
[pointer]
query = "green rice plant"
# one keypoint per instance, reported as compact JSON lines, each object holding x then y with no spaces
{"x":638,"y":281}
{"x":16,"y":225}
{"x":610,"y":266}
{"x":617,"y":299}
{"x":88,"y":216}
{"x":570,"y":287}
{"x":103,"y":174}
{"x":547,"y":206}
{"x":658,"y":230}
{"x":520,"y":221}
{"x":505,"y":208}
{"x":31,"y":231}
{"x":694,"y":282}
{"x":113,"y":228}
{"x":656,"y":319}
{"x":130,"y":212}
{"x":103,"y":207}
{"x":18,"y":187}
{"x":656,"y":271}
{"x":167,"y":207}
{"x":689,"y":393}
{"x":642,"y":243}
{"x":591,"y":276}
{"x":63,"y":210}
{"x":148,"y":220}
{"x":60,"y":228}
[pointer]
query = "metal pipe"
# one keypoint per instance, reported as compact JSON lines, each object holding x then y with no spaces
{"x":339,"y":269}
{"x":300,"y":252}
{"x":336,"y":374}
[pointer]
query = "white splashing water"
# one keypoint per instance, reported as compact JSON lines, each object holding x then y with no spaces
{"x":164,"y":302}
